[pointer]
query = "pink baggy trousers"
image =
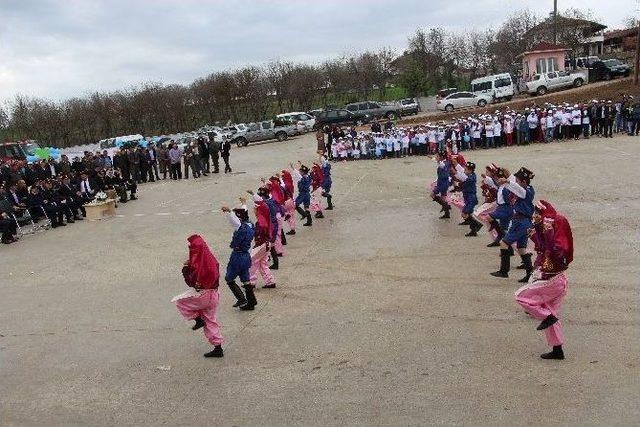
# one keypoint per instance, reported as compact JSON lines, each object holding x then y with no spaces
{"x":260,"y":263}
{"x":290,"y":206}
{"x":278,"y":243}
{"x":315,"y":205}
{"x":540,"y":298}
{"x":205,"y":306}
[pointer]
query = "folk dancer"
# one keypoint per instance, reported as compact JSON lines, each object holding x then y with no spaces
{"x":326,"y":182}
{"x":520,"y":185}
{"x":261,"y":247}
{"x":286,"y":180}
{"x":542,"y":296}
{"x":467,"y":177}
{"x":489,"y":190}
{"x":501,"y":216}
{"x":441,"y":185}
{"x":202,"y":273}
{"x":301,"y":176}
{"x":317,"y":178}
{"x":277,"y":191}
{"x":240,"y":259}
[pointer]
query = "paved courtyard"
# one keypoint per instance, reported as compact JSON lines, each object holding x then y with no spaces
{"x":383,"y":315}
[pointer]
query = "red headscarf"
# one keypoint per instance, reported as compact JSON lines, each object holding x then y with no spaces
{"x":561,"y":228}
{"x":288,"y":182}
{"x":317,"y":176}
{"x":263,"y":217}
{"x":203,"y":262}
{"x":276,"y":191}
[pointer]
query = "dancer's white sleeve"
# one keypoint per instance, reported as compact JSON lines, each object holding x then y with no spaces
{"x":516,"y":189}
{"x":234,"y":221}
{"x":460,"y":173}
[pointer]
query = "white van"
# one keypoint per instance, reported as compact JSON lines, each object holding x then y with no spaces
{"x":498,"y":86}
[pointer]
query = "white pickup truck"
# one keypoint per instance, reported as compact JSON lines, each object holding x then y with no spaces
{"x":556,"y":80}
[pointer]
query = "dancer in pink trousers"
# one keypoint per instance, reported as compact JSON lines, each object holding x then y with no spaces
{"x":202,"y":274}
{"x":289,"y":189}
{"x":260,"y":251}
{"x":542,"y":296}
{"x":277,"y":194}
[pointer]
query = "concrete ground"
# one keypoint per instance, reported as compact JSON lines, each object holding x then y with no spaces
{"x":383,"y":315}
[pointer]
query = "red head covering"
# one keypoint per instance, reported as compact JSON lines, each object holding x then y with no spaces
{"x":317,"y":176}
{"x":204,"y":264}
{"x":288,"y":182}
{"x":263,"y":218}
{"x":561,"y":228}
{"x":276,"y":190}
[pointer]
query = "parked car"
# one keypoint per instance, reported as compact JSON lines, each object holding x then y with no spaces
{"x":11,"y":151}
{"x":498,"y":86}
{"x":608,"y":69}
{"x":376,"y":109}
{"x":409,"y":106}
{"x":462,"y":100}
{"x":307,"y":121}
{"x":443,"y":93}
{"x":341,"y":117}
{"x":556,"y":80}
{"x":584,"y":61}
{"x":263,"y":131}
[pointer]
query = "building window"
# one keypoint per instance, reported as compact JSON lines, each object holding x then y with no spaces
{"x":552,"y":64}
{"x":541,"y":66}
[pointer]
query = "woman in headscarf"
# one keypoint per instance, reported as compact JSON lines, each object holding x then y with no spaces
{"x":202,"y":273}
{"x":542,"y":296}
{"x":287,"y":185}
{"x":317,"y":178}
{"x":261,"y":247}
{"x":277,"y":195}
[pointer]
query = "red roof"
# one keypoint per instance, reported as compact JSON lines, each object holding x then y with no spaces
{"x":620,"y":33}
{"x":544,"y":46}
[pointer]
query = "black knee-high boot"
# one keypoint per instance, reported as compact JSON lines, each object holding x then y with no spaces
{"x":474,"y":226}
{"x":283,"y":238}
{"x":274,"y":258}
{"x":309,"y":222}
{"x":528,"y":267}
{"x":329,"y":202}
{"x":302,"y":212}
{"x":237,"y":292}
{"x":505,"y":264}
{"x":495,"y":225}
{"x":251,"y":297}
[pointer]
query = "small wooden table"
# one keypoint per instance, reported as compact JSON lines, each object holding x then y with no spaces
{"x":101,"y":210}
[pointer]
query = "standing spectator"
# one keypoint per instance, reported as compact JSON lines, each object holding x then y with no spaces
{"x":214,"y":152}
{"x":175,"y":157}
{"x":163,"y":160}
{"x":226,"y":153}
{"x":134,"y":164}
{"x":203,"y":150}
{"x":532,"y":123}
{"x":153,"y":158}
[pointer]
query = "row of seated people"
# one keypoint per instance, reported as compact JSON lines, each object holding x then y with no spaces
{"x":57,"y":199}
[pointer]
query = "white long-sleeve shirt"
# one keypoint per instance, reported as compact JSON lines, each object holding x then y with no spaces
{"x":460,"y":173}
{"x":234,"y":221}
{"x":516,"y":188}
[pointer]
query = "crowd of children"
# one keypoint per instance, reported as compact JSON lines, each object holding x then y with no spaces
{"x":507,"y":127}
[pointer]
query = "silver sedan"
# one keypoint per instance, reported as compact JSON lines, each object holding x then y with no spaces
{"x":462,"y":100}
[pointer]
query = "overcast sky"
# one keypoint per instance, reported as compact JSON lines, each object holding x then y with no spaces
{"x":58,"y":49}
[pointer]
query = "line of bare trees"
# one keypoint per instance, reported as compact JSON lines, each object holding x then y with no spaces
{"x":434,"y":58}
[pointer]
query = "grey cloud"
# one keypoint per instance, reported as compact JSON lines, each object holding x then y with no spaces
{"x":65,"y":48}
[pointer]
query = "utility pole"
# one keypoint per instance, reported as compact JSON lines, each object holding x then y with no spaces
{"x":555,"y":21}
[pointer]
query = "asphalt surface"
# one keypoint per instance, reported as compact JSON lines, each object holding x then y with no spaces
{"x":383,"y":314}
